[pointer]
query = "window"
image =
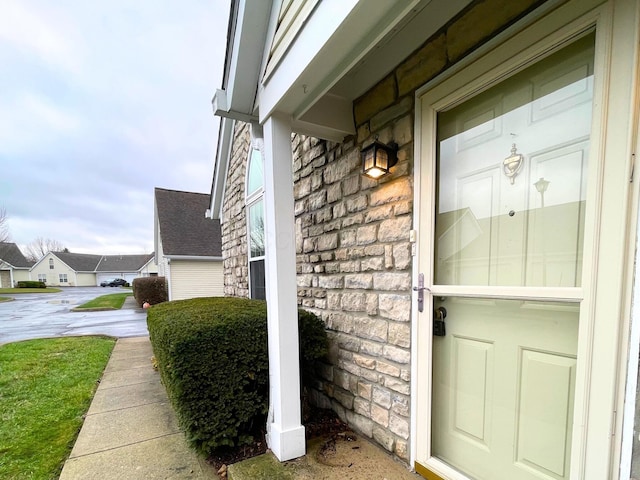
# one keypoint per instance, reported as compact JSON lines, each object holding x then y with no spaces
{"x":51,"y":264}
{"x":63,"y":278}
{"x":42,"y":277}
{"x":255,"y":222}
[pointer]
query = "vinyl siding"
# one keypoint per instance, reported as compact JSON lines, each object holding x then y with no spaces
{"x":291,"y":19}
{"x":86,"y":280}
{"x":191,"y":279}
{"x":53,"y":275}
{"x":21,"y":275}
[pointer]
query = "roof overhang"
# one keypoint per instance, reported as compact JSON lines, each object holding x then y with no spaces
{"x":247,"y":36}
{"x":344,"y":49}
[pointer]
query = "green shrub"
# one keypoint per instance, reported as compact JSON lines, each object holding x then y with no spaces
{"x":150,"y":289}
{"x":31,"y":284}
{"x":213,"y":359}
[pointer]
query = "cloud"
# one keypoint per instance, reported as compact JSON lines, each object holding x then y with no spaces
{"x":103,"y":102}
{"x":30,"y":32}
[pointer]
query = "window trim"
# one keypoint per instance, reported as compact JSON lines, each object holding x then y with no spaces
{"x":252,"y":199}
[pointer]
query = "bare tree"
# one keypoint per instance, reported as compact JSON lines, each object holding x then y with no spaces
{"x":4,"y":225}
{"x":41,"y":246}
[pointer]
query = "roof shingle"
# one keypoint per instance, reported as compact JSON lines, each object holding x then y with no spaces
{"x":184,"y":230}
{"x":11,"y":254}
{"x":123,"y":263}
{"x":87,"y":262}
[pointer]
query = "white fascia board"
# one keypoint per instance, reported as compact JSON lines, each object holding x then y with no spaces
{"x":223,"y":153}
{"x":194,"y":258}
{"x":41,"y":260}
{"x":338,"y":34}
{"x":245,"y":52}
{"x":146,"y":263}
{"x":4,"y":264}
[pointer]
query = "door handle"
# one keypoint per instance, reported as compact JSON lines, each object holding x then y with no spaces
{"x":420,"y":288}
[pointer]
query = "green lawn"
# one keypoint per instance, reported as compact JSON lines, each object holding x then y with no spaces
{"x":5,"y":299}
{"x":29,"y":290}
{"x":113,"y":301}
{"x":46,"y":387}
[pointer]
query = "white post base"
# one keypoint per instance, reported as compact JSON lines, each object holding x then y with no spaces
{"x":288,"y":444}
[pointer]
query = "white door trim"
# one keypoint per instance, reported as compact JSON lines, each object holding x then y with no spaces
{"x":596,"y":448}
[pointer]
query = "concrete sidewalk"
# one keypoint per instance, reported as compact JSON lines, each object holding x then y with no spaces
{"x":131,"y":431}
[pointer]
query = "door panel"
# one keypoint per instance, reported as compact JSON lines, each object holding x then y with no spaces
{"x":503,"y":387}
{"x":545,"y":409}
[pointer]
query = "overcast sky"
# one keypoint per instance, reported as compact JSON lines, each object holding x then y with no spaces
{"x":100,"y":102}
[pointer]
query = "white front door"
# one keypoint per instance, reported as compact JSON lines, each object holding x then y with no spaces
{"x":510,"y":175}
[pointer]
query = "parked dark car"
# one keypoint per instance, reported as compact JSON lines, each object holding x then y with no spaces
{"x":116,"y":282}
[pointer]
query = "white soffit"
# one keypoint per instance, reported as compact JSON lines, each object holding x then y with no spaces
{"x":406,"y":37}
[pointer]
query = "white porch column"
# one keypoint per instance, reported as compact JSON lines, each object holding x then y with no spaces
{"x":285,"y":433}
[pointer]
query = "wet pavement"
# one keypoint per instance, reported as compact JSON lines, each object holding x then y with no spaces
{"x":45,"y":315}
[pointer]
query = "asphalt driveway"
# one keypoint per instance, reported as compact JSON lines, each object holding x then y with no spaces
{"x":45,"y":315}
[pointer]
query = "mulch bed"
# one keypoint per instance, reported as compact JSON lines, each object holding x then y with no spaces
{"x":319,"y":422}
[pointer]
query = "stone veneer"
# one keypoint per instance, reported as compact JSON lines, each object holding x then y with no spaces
{"x":352,"y":235}
{"x":234,"y":221}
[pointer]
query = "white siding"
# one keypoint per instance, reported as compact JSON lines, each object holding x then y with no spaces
{"x":53,"y":275}
{"x":191,"y":279}
{"x":21,"y":275}
{"x":86,"y":280}
{"x":293,"y":14}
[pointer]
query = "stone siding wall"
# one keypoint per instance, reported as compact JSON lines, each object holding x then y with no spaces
{"x":234,"y":221}
{"x":354,"y":271}
{"x":354,"y":258}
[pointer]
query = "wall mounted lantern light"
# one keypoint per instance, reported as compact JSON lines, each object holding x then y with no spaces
{"x":378,"y":158}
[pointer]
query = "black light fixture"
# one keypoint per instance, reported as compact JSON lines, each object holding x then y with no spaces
{"x":378,"y":158}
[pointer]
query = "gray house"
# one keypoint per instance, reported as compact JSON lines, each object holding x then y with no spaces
{"x":14,"y":267}
{"x":187,"y":244}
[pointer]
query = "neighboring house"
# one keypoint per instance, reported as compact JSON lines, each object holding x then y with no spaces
{"x":187,"y":244}
{"x":510,"y":218}
{"x":87,"y":270}
{"x":14,"y":267}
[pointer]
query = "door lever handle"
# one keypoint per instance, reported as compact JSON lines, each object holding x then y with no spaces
{"x":420,"y":288}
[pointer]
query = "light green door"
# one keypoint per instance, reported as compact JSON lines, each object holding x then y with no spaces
{"x":509,"y":209}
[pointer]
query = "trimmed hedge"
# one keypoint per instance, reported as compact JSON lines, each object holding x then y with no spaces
{"x":31,"y":284}
{"x":150,"y":289}
{"x":213,"y":359}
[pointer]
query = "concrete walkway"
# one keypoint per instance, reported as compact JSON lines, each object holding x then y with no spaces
{"x":131,"y":431}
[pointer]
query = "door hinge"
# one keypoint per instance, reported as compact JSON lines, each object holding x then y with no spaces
{"x":633,"y":167}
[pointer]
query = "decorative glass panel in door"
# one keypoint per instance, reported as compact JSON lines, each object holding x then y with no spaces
{"x":510,"y":206}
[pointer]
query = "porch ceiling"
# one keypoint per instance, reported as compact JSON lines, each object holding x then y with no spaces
{"x":366,"y":47}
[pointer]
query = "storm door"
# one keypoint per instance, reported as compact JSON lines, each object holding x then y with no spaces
{"x":511,"y":168}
